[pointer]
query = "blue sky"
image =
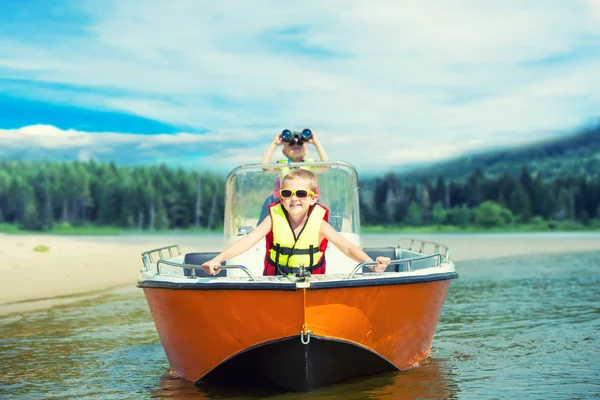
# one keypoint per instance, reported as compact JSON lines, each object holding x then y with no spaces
{"x":209,"y":84}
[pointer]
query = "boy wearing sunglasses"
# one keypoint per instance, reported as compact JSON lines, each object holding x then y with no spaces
{"x":296,"y":233}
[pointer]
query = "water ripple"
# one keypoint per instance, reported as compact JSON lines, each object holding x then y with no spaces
{"x":518,"y":327}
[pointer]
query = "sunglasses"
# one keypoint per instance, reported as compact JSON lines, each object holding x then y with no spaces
{"x":300,"y":193}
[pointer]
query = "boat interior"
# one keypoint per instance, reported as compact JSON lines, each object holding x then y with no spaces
{"x":249,"y":190}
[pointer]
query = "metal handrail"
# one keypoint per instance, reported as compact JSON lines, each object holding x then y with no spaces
{"x":423,"y":243}
{"x":394,"y":262}
{"x":194,"y":266}
{"x":147,"y":258}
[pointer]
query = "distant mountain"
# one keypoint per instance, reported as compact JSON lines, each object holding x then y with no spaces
{"x":576,"y":154}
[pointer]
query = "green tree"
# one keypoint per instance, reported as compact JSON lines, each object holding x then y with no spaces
{"x":439,"y":192}
{"x":519,"y":203}
{"x":438,"y":214}
{"x":162,"y":220}
{"x":414,"y":216}
{"x":20,"y":194}
{"x":474,"y":188}
{"x":31,"y":218}
{"x":5,"y":183}
{"x":460,"y":215}
{"x":491,"y":214}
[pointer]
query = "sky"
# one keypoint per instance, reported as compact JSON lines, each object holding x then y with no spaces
{"x":208,"y":85}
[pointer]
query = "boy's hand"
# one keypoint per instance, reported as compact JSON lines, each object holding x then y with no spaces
{"x":382,"y":263}
{"x":211,"y":267}
{"x":278,"y":140}
{"x":313,"y":139}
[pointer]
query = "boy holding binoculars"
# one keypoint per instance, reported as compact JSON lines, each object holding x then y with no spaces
{"x":295,"y":147}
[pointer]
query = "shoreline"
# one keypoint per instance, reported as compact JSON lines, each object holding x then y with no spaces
{"x":80,"y":266}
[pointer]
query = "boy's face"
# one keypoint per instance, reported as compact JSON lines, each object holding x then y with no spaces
{"x":293,"y":205}
{"x":295,"y":152}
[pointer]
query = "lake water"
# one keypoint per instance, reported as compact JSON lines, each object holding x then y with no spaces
{"x":510,"y":328}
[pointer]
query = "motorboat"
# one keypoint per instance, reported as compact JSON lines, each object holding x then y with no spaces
{"x":295,"y":332}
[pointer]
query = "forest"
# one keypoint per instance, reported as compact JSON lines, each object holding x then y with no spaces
{"x":40,"y":195}
{"x":485,"y":202}
{"x":550,"y":185}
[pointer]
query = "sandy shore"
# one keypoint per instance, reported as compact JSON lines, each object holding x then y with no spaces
{"x":83,"y":265}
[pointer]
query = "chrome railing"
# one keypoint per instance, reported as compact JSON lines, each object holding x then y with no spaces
{"x":407,"y":261}
{"x":193,"y":268}
{"x":148,"y":259}
{"x":421,"y":246}
{"x":415,"y":245}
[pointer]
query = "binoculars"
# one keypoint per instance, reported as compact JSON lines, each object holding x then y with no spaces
{"x":293,"y":137}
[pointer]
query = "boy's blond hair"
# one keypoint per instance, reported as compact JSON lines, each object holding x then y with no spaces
{"x":297,"y":174}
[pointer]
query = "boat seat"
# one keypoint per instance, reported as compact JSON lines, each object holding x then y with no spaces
{"x":390,"y":252}
{"x":199,"y":259}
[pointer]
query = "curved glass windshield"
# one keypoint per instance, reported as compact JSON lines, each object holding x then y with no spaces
{"x":251,"y":188}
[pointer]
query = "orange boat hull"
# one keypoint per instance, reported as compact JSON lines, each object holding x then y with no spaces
{"x":365,"y":330}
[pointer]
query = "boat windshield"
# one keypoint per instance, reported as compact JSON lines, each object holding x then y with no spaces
{"x":251,"y":188}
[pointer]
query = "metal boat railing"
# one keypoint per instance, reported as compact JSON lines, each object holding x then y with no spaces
{"x":420,"y":246}
{"x":148,"y":259}
{"x":193,"y":268}
{"x":408,"y":263}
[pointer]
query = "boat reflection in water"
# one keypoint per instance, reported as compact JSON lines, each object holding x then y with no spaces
{"x":429,"y":380}
{"x":292,"y":332}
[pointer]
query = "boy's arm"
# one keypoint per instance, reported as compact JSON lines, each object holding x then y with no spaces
{"x":238,"y":247}
{"x":269,"y":153}
{"x":350,"y":249}
{"x":322,"y":153}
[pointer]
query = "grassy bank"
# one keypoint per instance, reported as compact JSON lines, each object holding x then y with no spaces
{"x":546,"y":226}
{"x":92,"y":230}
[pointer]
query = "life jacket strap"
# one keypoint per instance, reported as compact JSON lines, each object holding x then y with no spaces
{"x":284,"y":269}
{"x":290,"y":251}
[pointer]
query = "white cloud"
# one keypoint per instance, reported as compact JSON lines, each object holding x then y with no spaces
{"x":595,"y":7}
{"x":399,"y":80}
{"x":222,"y":151}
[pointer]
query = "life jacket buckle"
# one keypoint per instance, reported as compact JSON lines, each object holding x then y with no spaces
{"x":302,"y":274}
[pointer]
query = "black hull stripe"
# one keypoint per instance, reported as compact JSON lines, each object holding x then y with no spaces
{"x":321,"y":362}
{"x":297,"y":337}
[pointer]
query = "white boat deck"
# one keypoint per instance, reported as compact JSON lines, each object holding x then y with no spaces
{"x":248,"y":267}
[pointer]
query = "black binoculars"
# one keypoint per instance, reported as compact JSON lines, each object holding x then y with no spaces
{"x":293,"y":137}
